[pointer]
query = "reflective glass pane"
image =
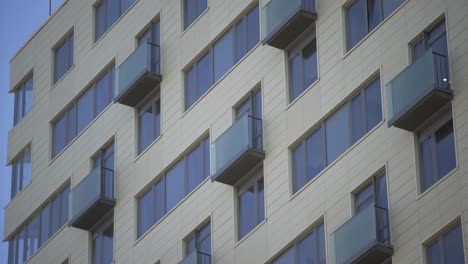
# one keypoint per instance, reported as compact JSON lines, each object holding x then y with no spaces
{"x":295,"y":79}
{"x":357,"y":118}
{"x":60,"y":61}
{"x":145,"y":129}
{"x":364,"y":198}
{"x":108,"y":245}
{"x":445,"y":148}
{"x":190,"y":12}
{"x":241,"y":39}
{"x":26,"y":170}
{"x":33,"y":235}
{"x":190,"y":88}
{"x":112,"y":12}
{"x":21,"y":246}
{"x":175,"y":185}
{"x":253,"y":28}
{"x":65,"y":200}
{"x":160,"y":200}
{"x":204,"y":240}
{"x":204,"y":75}
{"x":246,"y":212}
{"x":223,"y":55}
{"x":418,"y":49}
{"x":260,"y":200}
{"x":194,"y":168}
{"x":206,"y":157}
{"x":55,"y":216}
{"x":453,"y":246}
{"x":145,"y":212}
{"x":375,"y":12}
{"x":356,"y":23}
{"x":59,"y":135}
{"x":299,"y":174}
{"x":71,"y":123}
{"x":309,"y":55}
{"x":125,"y":5}
{"x":337,"y":134}
{"x":85,"y":113}
{"x":100,"y":21}
{"x":315,"y":154}
{"x":45,"y":222}
{"x":425,"y":161}
{"x":103,"y":93}
{"x":28,"y":95}
{"x":201,"y":6}
{"x":433,"y":253}
{"x":390,"y":5}
{"x":97,"y":250}
{"x":373,"y":104}
{"x":286,"y":258}
{"x":190,"y":246}
{"x":307,"y":250}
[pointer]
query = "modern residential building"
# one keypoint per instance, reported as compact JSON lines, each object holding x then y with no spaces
{"x":241,"y":131}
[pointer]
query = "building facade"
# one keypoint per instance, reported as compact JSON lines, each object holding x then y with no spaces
{"x":240,"y":131}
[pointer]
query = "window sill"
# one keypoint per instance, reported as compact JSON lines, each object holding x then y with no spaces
{"x":347,"y":52}
{"x":194,"y":22}
{"x":63,"y":77}
{"x":439,"y":182}
{"x":218,"y":81}
{"x":250,"y":233}
{"x":303,"y":93}
{"x":169,"y":212}
{"x":147,"y":148}
{"x":294,"y":195}
{"x":79,"y":135}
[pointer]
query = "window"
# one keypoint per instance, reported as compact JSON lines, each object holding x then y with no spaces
{"x":103,"y":244}
{"x":82,"y":111}
{"x":435,"y":39}
{"x":310,"y":249}
{"x":375,"y":194}
{"x":447,"y":248}
{"x":21,"y":172}
{"x":362,"y":16}
{"x":23,"y":99}
{"x":149,"y":123}
{"x":106,"y":14}
{"x":251,"y":203}
{"x":192,"y":10}
{"x":105,"y":159}
{"x":436,"y":152}
{"x":302,"y":68}
{"x":200,"y":241}
{"x":253,"y":107}
{"x":221,"y":57}
{"x":173,"y":186}
{"x":152,"y":35}
{"x":39,"y":229}
{"x":336,"y":134}
{"x":63,"y":57}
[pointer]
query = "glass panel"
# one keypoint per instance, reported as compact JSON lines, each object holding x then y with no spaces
{"x":223,"y":52}
{"x":390,"y":6}
{"x":190,"y":12}
{"x":15,"y":178}
{"x":145,"y":212}
{"x":445,"y":149}
{"x":61,"y":61}
{"x":453,"y":246}
{"x":100,"y":21}
{"x":357,"y":118}
{"x":299,"y":174}
{"x":244,"y":108}
{"x":194,"y":168}
{"x":204,"y":240}
{"x":88,"y":190}
{"x":190,"y":246}
{"x":295,"y":77}
{"x":277,"y":12}
{"x":322,"y":255}
{"x":12,"y":250}
{"x":307,"y":250}
{"x":125,"y":5}
{"x":418,"y":49}
{"x":190,"y":88}
{"x":433,"y":253}
{"x":22,"y":246}
{"x":206,"y":157}
{"x":45,"y":224}
{"x":285,"y":258}
{"x":28,"y":95}
{"x":364,"y":198}
{"x":97,"y":250}
{"x":309,"y":56}
{"x":315,"y":154}
{"x":108,"y":245}
{"x":26,"y":171}
{"x":253,"y":28}
{"x":241,"y":39}
{"x":425,"y":160}
{"x":246,"y":212}
{"x":175,"y":183}
{"x":59,"y":136}
{"x":70,"y":52}
{"x":373,"y":104}
{"x":112,"y":12}
{"x":204,"y":75}
{"x":202,"y":5}
{"x":55,"y":216}
{"x":356,"y":23}
{"x":160,"y":200}
{"x":145,"y":38}
{"x":71,"y":123}
{"x":18,"y":115}
{"x":145,"y":129}
{"x":65,"y":200}
{"x":33,"y":235}
{"x":337,"y":134}
{"x":85,"y":113}
{"x":103,"y":93}
{"x":375,"y":12}
{"x":260,"y":200}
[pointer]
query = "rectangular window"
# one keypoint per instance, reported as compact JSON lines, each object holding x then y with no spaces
{"x":200,"y":241}
{"x":82,"y":111}
{"x":336,"y":134}
{"x":310,"y":249}
{"x":362,"y":16}
{"x":302,"y":68}
{"x":21,"y":172}
{"x":435,"y":39}
{"x":63,"y":57}
{"x":149,"y":123}
{"x":23,"y":99}
{"x":221,"y":57}
{"x":107,"y":12}
{"x":436,"y":152}
{"x":447,"y":248}
{"x":176,"y":183}
{"x":103,"y":244}
{"x":251,"y":204}
{"x":192,"y":10}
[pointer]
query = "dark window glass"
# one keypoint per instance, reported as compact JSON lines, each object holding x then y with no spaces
{"x":375,"y":12}
{"x":223,"y":55}
{"x":22,"y":236}
{"x":204,"y":75}
{"x":246,"y":211}
{"x":253,"y":28}
{"x":107,"y":13}
{"x":204,"y":240}
{"x":85,"y":110}
{"x":45,"y":224}
{"x":23,"y":100}
{"x":160,"y":200}
{"x":190,"y":87}
{"x":298,"y":157}
{"x":418,"y":49}
{"x":112,"y":11}
{"x":100,"y":21}
{"x":241,"y":39}
{"x":309,"y":55}
{"x":302,"y":69}
{"x":55,"y":215}
{"x":251,"y":203}
{"x":425,"y":150}
{"x":65,"y":196}
{"x":315,"y":151}
{"x":337,"y":138}
{"x":108,"y":245}
{"x":145,"y":212}
{"x":148,"y":125}
{"x":192,"y":10}
{"x":373,"y":104}
{"x":447,"y":248}
{"x":356,"y":23}
{"x":357,"y":118}
{"x":364,"y":198}
{"x":21,"y":172}
{"x":63,"y":58}
{"x":103,"y":93}
{"x":60,"y":136}
{"x":175,"y":185}
{"x":445,"y":149}
{"x":195,"y":168}
{"x":33,"y":235}
{"x":390,"y":6}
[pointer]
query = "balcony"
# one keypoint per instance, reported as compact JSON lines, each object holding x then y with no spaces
{"x":363,"y":239}
{"x":92,"y":198}
{"x":238,"y":150}
{"x":197,"y":257}
{"x":138,"y":75}
{"x":285,"y":20}
{"x":418,"y":92}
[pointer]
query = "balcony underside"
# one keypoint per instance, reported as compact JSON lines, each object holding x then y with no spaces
{"x":422,"y":109}
{"x":290,"y":29}
{"x":242,"y":164}
{"x":141,"y":87}
{"x":93,"y":214}
{"x":377,"y":253}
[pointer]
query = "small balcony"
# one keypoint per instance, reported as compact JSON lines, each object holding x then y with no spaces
{"x":285,"y":20}
{"x":197,"y":257}
{"x":92,"y":198}
{"x":238,"y":150}
{"x":418,"y":92}
{"x":138,"y":75}
{"x":363,"y":239}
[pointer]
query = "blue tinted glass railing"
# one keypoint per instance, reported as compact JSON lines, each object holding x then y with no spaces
{"x":427,"y":73}
{"x":146,"y":58}
{"x":276,"y":12}
{"x":243,"y":134}
{"x":197,"y":257}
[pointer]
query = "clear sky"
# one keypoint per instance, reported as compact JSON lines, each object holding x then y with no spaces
{"x":19,"y":19}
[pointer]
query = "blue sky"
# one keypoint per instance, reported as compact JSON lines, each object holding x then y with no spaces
{"x":19,"y":19}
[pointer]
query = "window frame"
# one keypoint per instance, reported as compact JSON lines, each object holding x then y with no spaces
{"x":69,"y":40}
{"x":19,"y":163}
{"x":152,"y":101}
{"x":195,"y":235}
{"x":21,"y":88}
{"x":439,"y":237}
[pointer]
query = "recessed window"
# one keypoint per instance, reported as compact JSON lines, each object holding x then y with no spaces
{"x":251,"y":203}
{"x":436,"y":151}
{"x":336,"y":134}
{"x":310,"y":249}
{"x":192,"y":10}
{"x":362,"y":16}
{"x":21,"y":172}
{"x":149,"y":123}
{"x":23,"y":99}
{"x":447,"y":248}
{"x":200,"y":242}
{"x":103,"y":244}
{"x":63,"y":57}
{"x":302,"y":68}
{"x":106,"y":14}
{"x":221,"y":57}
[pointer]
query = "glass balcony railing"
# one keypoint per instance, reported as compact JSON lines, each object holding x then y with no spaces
{"x":362,"y":238}
{"x":418,"y":91}
{"x":237,"y":150}
{"x":138,"y":74}
{"x":197,"y":257}
{"x":284,"y":20}
{"x":92,"y":198}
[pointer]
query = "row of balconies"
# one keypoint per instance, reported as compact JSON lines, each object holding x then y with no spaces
{"x":413,"y":96}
